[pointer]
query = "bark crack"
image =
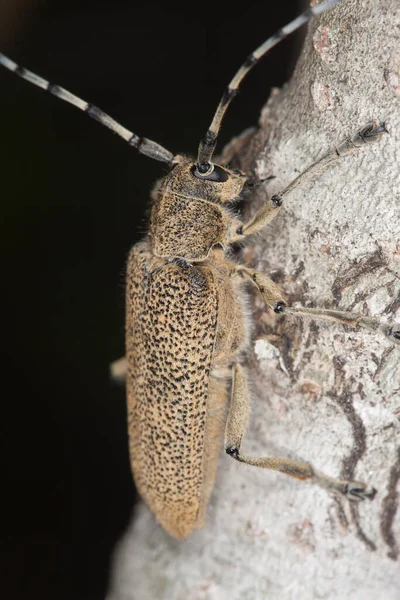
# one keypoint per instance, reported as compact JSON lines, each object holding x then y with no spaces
{"x":389,"y":509}
{"x":344,"y":400}
{"x":365,"y":266}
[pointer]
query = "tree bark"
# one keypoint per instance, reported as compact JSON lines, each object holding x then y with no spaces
{"x":319,"y":392}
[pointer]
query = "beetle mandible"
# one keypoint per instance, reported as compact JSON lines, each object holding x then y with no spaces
{"x":187,"y":325}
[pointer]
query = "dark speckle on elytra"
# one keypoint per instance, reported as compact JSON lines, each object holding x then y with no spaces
{"x":170,"y":376}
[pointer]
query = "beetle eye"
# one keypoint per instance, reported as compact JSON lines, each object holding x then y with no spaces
{"x":205,"y":169}
{"x":213,"y":173}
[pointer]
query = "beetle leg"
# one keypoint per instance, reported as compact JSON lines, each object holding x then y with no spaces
{"x":370,"y":133}
{"x":390,"y":330}
{"x":273,"y":297}
{"x":270,"y":292}
{"x":235,"y":429}
{"x":118,"y":370}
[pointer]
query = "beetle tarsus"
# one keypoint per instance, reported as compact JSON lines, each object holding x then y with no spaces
{"x":279,"y":307}
{"x":232,"y":451}
{"x":357,"y":491}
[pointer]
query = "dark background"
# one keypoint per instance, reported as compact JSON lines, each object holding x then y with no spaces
{"x":73,"y":198}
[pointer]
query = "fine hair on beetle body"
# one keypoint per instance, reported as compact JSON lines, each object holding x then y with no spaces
{"x":187,"y":318}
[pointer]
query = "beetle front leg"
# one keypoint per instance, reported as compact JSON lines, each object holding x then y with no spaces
{"x":273,"y":297}
{"x":235,"y":429}
{"x":370,"y":133}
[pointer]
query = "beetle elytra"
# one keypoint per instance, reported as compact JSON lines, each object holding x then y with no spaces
{"x":186,"y":319}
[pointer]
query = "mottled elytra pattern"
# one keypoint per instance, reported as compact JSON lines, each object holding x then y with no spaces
{"x":171,"y":325}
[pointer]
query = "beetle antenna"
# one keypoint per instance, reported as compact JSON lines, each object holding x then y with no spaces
{"x":209,"y":142}
{"x":143,"y":145}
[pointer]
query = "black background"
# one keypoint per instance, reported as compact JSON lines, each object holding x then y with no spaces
{"x":73,"y":198}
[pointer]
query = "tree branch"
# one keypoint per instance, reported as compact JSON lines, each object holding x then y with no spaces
{"x":319,"y":392}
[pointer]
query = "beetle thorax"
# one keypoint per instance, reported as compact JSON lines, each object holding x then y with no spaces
{"x":188,"y":216}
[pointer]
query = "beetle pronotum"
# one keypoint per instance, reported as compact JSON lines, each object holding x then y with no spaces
{"x":186,"y":320}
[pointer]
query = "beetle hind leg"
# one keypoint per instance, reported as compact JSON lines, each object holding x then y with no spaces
{"x":118,"y":370}
{"x":235,"y":428}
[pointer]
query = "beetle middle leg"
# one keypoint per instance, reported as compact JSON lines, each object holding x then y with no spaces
{"x":235,"y":429}
{"x":273,"y":298}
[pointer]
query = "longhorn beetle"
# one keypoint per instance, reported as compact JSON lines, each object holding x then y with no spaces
{"x":186,"y":318}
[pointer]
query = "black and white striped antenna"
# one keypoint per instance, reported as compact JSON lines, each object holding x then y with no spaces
{"x":209,"y":142}
{"x":143,"y":145}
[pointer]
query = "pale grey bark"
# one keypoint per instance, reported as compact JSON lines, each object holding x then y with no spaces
{"x":319,"y":392}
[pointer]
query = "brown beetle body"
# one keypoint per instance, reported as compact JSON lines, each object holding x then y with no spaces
{"x":186,"y":318}
{"x":184,"y":326}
